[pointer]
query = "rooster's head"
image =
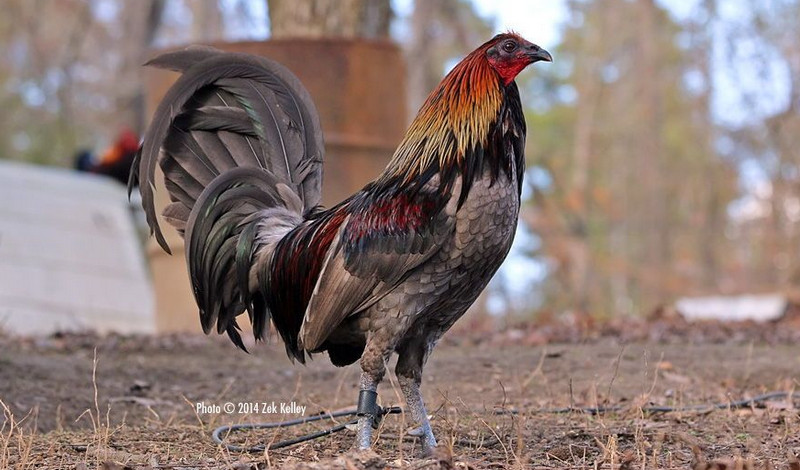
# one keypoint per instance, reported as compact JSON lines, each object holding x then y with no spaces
{"x":509,"y":54}
{"x":460,"y":113}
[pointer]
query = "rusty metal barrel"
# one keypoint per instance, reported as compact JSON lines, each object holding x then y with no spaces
{"x":359,"y":89}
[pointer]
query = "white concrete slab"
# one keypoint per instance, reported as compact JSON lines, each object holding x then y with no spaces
{"x":759,"y":308}
{"x":70,"y":258}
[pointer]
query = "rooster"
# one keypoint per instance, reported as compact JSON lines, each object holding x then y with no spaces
{"x":389,"y":269}
{"x":115,"y":162}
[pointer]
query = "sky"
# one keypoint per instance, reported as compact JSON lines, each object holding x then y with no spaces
{"x":536,"y":20}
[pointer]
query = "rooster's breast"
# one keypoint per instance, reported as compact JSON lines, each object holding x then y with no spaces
{"x":438,"y":292}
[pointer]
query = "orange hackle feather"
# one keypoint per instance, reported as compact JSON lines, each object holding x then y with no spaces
{"x":456,"y":117}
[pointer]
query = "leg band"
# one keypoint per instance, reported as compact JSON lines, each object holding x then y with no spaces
{"x":368,"y":406}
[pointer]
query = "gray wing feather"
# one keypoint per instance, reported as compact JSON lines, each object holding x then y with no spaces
{"x":350,"y":283}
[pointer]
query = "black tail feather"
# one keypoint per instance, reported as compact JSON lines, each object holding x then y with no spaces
{"x":235,"y":136}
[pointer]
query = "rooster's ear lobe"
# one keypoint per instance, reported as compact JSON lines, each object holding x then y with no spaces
{"x":492,"y":52}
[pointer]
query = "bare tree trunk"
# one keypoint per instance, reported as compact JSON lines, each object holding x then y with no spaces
{"x":440,"y":31}
{"x":578,"y":199}
{"x":67,"y":62}
{"x":207,"y":21}
{"x":714,"y":221}
{"x":654,"y":197}
{"x":329,"y":18}
{"x":141,"y":26}
{"x":579,"y":192}
{"x":423,"y":68}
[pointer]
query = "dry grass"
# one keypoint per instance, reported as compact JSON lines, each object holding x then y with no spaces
{"x":16,"y":443}
{"x":485,"y":403}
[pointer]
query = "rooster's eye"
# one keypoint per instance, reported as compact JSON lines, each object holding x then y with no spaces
{"x":509,"y":46}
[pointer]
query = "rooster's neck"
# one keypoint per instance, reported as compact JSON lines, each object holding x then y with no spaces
{"x":454,"y":122}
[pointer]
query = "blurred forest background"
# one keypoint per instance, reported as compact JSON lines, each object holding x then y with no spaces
{"x":664,"y":141}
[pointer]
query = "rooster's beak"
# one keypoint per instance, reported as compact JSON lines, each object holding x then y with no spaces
{"x":536,"y":54}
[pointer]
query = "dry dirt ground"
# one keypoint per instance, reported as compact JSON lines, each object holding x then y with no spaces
{"x":82,"y":401}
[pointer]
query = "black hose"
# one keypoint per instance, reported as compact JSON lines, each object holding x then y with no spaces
{"x":216,"y":434}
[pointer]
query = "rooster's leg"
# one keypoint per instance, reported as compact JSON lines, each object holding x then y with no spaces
{"x":416,"y":406}
{"x":373,"y":367}
{"x":367,"y":408}
{"x":409,"y":375}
